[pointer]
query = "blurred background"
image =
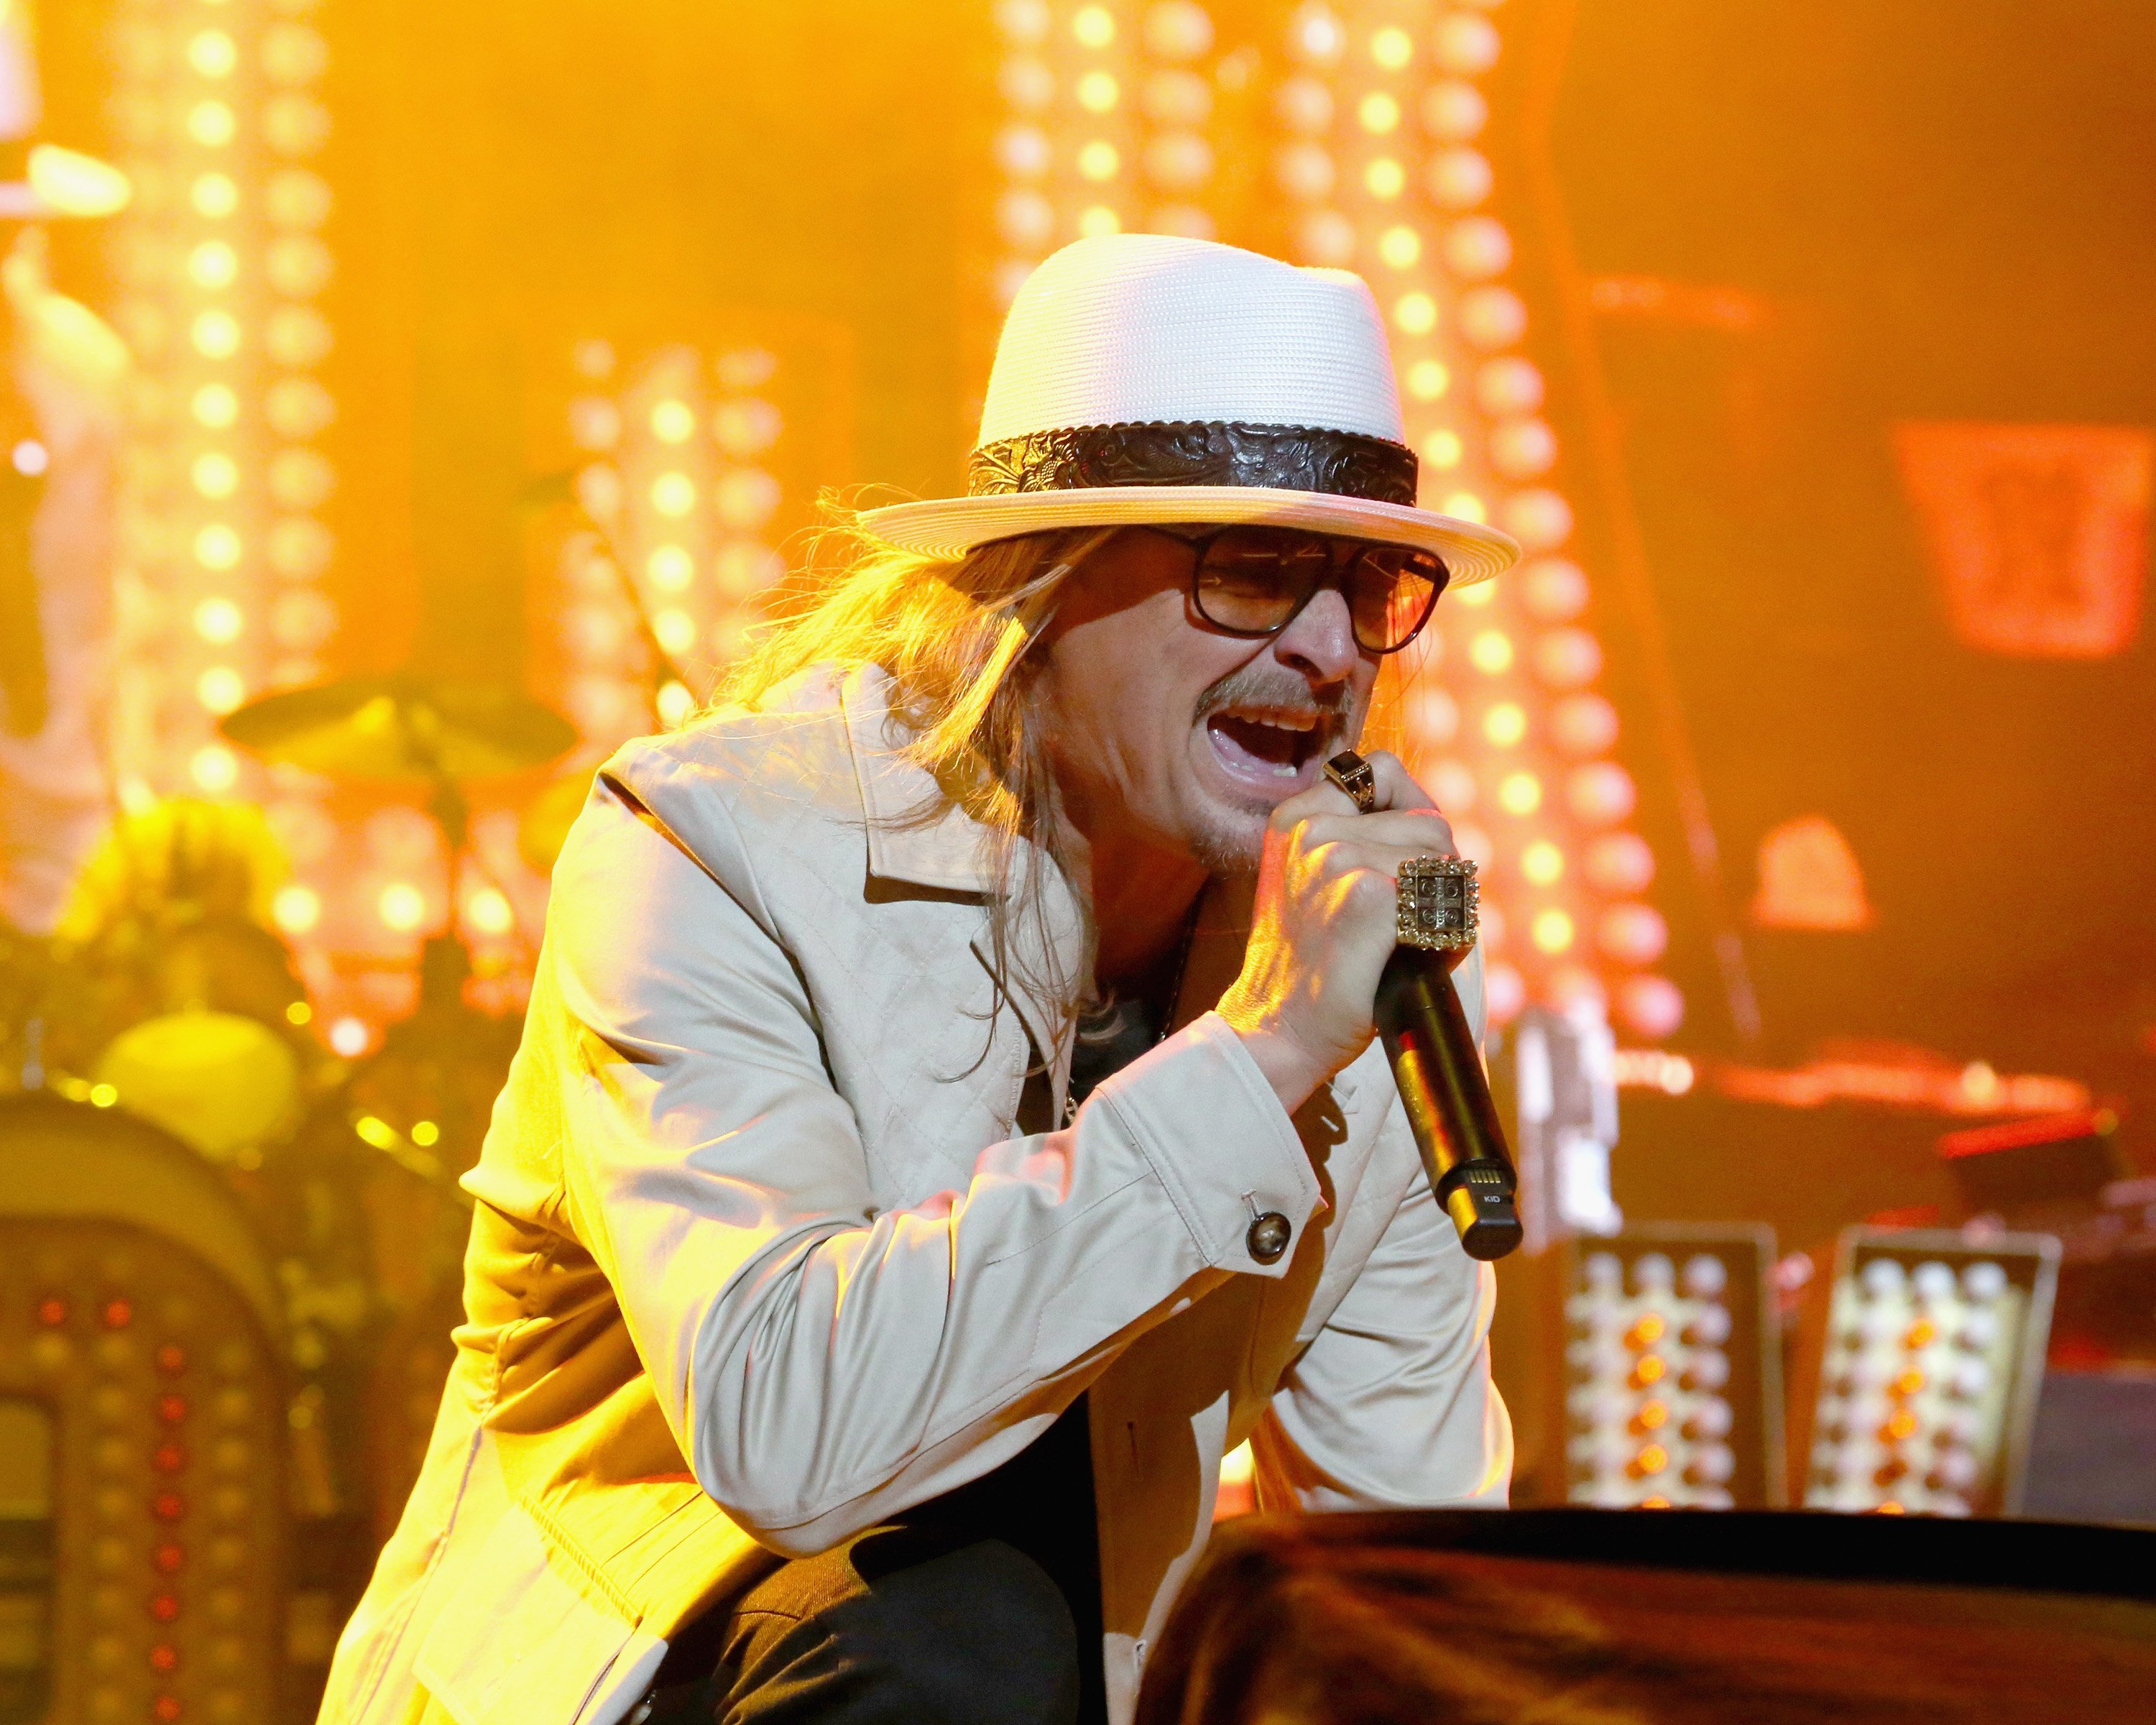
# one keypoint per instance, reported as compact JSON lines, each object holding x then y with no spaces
{"x":410,"y":403}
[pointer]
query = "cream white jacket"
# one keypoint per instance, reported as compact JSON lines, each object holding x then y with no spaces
{"x":758,"y":1260}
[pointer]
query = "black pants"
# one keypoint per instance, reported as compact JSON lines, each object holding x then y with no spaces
{"x":906,"y":1625}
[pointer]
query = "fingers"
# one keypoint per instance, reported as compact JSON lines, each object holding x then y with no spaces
{"x":1396,"y":790}
{"x":1346,"y":860}
{"x":1396,"y":786}
{"x":1321,"y":799}
{"x":1403,"y":832}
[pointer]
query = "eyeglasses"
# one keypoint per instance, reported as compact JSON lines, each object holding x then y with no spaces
{"x":1254,"y":580}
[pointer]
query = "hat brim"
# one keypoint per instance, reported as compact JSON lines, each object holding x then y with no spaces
{"x":950,"y":526}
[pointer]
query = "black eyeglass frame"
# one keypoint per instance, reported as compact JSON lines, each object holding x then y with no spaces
{"x":1346,"y":554}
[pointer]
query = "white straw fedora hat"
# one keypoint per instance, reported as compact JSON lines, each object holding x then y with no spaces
{"x":38,"y":180}
{"x":1144,"y":378}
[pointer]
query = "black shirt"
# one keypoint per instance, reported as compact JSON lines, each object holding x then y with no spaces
{"x":1041,"y":1501}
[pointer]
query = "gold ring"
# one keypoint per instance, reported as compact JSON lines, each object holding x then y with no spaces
{"x":1440,"y":903}
{"x":1350,"y":773}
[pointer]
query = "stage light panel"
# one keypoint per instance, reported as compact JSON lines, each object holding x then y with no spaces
{"x":1093,"y":25}
{"x":488,"y":912}
{"x":1415,"y":314}
{"x":676,"y":630}
{"x":1379,"y":113}
{"x":214,"y":196}
{"x":217,"y":546}
{"x":1453,"y":111}
{"x":1392,"y":48}
{"x":1672,"y":1389}
{"x":220,"y":689}
{"x":695,"y":562}
{"x":213,"y":54}
{"x":1490,"y":652}
{"x":1542,"y":863}
{"x":216,"y":335}
{"x":1099,"y":161}
{"x":1929,"y":1376}
{"x":675,"y":703}
{"x":1467,"y":43}
{"x":1098,"y":92}
{"x":219,"y":253}
{"x":213,"y":768}
{"x":1551,"y":930}
{"x":673,"y":494}
{"x":1398,"y":248}
{"x":1443,"y":448}
{"x":216,"y":475}
{"x":670,"y":569}
{"x":296,"y":910}
{"x":215,"y":406}
{"x":402,"y":907}
{"x":1316,"y":36}
{"x":212,"y":123}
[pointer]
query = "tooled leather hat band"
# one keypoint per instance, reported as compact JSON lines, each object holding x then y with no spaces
{"x":1196,"y":452}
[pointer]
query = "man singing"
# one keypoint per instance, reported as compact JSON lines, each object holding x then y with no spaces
{"x":948,"y":1120}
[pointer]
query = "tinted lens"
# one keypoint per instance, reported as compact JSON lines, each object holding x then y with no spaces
{"x":1251,"y":580}
{"x":1391,"y":592}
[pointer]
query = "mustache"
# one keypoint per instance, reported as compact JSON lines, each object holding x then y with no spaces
{"x":1263,"y":683}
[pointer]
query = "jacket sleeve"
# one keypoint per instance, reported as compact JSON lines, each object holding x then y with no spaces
{"x":823,"y":1363}
{"x":1391,"y":1406}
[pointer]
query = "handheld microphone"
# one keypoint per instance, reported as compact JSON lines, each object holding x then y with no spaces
{"x":1435,"y":1061}
{"x":1439,"y":1072}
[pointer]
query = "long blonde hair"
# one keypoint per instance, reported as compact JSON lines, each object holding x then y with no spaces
{"x":952,"y":633}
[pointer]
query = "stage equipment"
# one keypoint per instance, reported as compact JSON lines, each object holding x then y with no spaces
{"x":2090,"y":1452}
{"x":2035,"y":532}
{"x":408,"y":730}
{"x":1672,"y":1363}
{"x":1436,"y":1063}
{"x":2036,"y":1169}
{"x":1933,"y":1360}
{"x":403,"y":729}
{"x":143,"y":1429}
{"x":1564,"y":1098}
{"x":223,"y":1085}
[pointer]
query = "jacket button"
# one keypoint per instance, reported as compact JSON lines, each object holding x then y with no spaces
{"x":1269,"y":1236}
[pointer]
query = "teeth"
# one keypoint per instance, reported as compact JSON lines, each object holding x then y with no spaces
{"x":1278,"y":718}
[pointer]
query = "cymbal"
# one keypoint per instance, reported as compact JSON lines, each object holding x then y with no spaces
{"x":402,"y":727}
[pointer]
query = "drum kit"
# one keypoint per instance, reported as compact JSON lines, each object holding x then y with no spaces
{"x":167,"y":997}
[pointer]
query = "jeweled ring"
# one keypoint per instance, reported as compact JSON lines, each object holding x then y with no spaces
{"x":1440,"y":903}
{"x":1349,"y":772}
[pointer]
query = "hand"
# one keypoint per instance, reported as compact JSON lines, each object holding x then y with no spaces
{"x":1324,"y":923}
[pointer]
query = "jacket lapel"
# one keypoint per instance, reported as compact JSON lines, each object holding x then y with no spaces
{"x":916,"y":837}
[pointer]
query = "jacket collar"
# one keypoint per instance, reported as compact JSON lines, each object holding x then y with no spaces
{"x":949,"y":853}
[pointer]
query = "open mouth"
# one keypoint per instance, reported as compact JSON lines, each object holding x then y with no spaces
{"x":1268,"y":743}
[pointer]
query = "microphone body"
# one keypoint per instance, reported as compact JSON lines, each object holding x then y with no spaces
{"x":1447,"y":1097}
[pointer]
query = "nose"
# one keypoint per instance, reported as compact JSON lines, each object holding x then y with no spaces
{"x":1320,"y":643}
